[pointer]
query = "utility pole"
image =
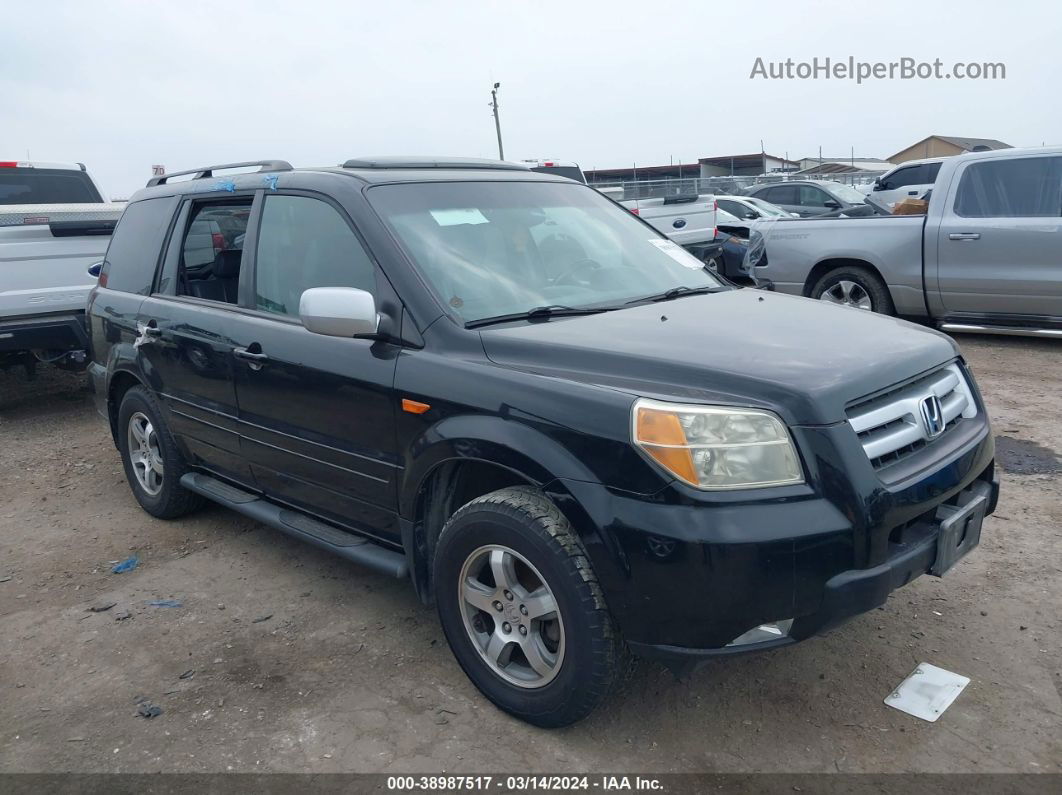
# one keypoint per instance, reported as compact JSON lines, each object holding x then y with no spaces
{"x":497,"y":122}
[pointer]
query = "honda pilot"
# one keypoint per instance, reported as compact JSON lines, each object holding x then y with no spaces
{"x":573,"y":439}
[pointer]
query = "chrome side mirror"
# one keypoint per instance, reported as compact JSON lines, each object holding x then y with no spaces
{"x":339,"y":312}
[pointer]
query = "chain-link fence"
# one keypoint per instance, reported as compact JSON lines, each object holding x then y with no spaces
{"x":684,"y":186}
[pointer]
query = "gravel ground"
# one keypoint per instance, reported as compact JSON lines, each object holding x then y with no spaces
{"x":281,"y":658}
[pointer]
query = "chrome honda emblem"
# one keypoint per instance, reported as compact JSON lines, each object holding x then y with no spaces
{"x":932,"y":416}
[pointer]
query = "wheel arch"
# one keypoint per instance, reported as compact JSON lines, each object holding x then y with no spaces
{"x":118,"y":384}
{"x":490,"y":454}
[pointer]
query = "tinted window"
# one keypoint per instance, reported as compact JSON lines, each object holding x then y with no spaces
{"x":212,"y":250}
{"x":912,"y":175}
{"x":734,"y":208}
{"x":305,"y":243}
{"x":131,"y":257}
{"x":1028,"y":187}
{"x":782,"y":194}
{"x":813,"y":197}
{"x":931,"y":172}
{"x":46,"y":186}
{"x":571,"y":172}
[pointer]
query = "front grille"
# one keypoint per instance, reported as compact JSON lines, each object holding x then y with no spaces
{"x":891,"y":426}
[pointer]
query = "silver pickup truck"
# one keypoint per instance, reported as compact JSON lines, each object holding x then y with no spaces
{"x":54,"y":226}
{"x":986,"y":256}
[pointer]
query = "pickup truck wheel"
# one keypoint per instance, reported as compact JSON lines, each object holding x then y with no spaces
{"x":153,"y":464}
{"x":522,"y":610}
{"x":856,"y":287}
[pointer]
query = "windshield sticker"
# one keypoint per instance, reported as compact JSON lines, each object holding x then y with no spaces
{"x":455,"y":217}
{"x":677,"y":253}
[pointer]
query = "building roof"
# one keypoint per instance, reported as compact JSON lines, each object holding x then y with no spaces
{"x":966,"y":144}
{"x":687,"y":169}
{"x":745,"y":161}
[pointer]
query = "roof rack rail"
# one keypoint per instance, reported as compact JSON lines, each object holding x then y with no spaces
{"x":206,"y":172}
{"x":392,"y":161}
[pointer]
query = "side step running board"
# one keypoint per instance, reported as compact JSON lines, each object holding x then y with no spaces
{"x":1012,"y":331}
{"x":298,"y":525}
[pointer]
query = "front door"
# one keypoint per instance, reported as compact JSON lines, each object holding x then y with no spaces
{"x":999,"y":245}
{"x":316,"y":412}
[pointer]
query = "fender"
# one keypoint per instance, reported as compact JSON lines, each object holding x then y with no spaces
{"x":512,"y":445}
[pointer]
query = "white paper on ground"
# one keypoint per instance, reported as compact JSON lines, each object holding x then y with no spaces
{"x":927,"y":692}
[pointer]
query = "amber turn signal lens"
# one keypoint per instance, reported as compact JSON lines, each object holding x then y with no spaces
{"x":661,"y":436}
{"x":414,"y":406}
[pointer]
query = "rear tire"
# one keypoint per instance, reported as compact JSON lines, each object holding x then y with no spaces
{"x":854,"y":286}
{"x":522,"y":610}
{"x":153,"y":464}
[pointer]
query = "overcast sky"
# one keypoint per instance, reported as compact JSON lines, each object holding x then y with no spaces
{"x":124,"y":85}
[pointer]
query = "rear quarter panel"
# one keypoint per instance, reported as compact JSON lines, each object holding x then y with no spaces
{"x":892,"y":245}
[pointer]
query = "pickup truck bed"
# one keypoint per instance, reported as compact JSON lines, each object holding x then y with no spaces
{"x":45,"y":254}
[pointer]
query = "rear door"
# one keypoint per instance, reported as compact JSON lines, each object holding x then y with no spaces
{"x":316,"y":412}
{"x":999,"y":243}
{"x":185,"y":333}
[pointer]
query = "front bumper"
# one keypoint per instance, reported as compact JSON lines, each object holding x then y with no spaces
{"x":686,"y":573}
{"x":849,"y":593}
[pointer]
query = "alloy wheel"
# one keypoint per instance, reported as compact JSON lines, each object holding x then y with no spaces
{"x":145,"y":455}
{"x":847,"y":293}
{"x":511,"y":616}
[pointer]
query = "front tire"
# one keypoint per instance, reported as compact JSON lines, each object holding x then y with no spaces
{"x":153,"y":464}
{"x":522,"y":610}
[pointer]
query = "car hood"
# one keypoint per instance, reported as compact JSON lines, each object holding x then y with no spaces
{"x":802,"y":358}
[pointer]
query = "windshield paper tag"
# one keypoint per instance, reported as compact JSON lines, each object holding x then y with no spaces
{"x":678,"y":253}
{"x":456,"y":217}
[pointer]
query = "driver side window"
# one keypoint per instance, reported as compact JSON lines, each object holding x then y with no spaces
{"x":304,"y":243}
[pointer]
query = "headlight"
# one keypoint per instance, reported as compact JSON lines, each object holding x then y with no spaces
{"x":715,"y":447}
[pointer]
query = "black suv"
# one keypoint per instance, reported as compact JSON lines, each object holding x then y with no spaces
{"x":574,"y":440}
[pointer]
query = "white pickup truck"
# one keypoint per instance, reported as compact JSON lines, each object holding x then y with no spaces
{"x":986,"y":256}
{"x":54,"y":226}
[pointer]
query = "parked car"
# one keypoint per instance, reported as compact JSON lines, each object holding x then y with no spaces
{"x":54,"y":225}
{"x":912,"y":179}
{"x":985,"y":256}
{"x":808,"y":197}
{"x":685,"y":218}
{"x":570,"y":436}
{"x":746,"y":210}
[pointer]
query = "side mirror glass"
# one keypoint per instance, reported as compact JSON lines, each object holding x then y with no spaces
{"x":95,"y":269}
{"x":339,"y":312}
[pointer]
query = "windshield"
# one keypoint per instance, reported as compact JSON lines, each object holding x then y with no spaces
{"x":847,"y":193}
{"x":766,"y":207}
{"x":499,"y":248}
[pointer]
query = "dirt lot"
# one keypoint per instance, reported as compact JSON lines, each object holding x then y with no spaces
{"x":305,"y":663}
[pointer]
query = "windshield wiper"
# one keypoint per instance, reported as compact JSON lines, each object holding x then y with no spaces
{"x":678,"y":292}
{"x":553,"y":310}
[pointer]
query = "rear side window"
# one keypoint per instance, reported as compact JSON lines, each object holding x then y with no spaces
{"x":131,"y":257}
{"x":305,"y":243}
{"x":1027,"y":187}
{"x":46,"y":186}
{"x":783,"y":194}
{"x":932,"y":170}
{"x":212,"y":250}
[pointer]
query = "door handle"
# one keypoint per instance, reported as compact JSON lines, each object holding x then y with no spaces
{"x":254,"y":358}
{"x":146,"y":333}
{"x":964,"y":236}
